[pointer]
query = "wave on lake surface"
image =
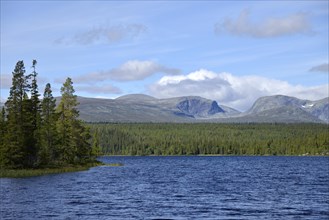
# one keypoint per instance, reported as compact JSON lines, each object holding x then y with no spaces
{"x":176,"y":188}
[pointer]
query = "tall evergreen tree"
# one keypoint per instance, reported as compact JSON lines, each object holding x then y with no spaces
{"x":67,"y":114}
{"x":73,"y":136}
{"x":35,"y":105}
{"x":2,"y":125}
{"x":48,"y":149}
{"x":31,"y":136}
{"x":32,"y":119}
{"x":28,"y":133}
{"x":35,"y":121}
{"x":3,"y":128}
{"x":14,"y":152}
{"x":96,"y":148}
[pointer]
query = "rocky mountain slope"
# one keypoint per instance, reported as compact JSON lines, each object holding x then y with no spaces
{"x":143,"y":108}
{"x":189,"y":109}
{"x":288,"y":109}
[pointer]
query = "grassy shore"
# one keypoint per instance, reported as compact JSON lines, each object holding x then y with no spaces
{"x":20,"y":173}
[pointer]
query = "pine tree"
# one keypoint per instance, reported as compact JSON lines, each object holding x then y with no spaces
{"x":67,"y":114}
{"x":3,"y":128}
{"x":14,"y":151}
{"x":73,"y":136}
{"x":2,"y":125}
{"x":35,"y":106}
{"x":96,"y":149}
{"x":32,"y":120}
{"x":31,"y":136}
{"x":48,"y":149}
{"x":28,"y":131}
{"x":82,"y":137}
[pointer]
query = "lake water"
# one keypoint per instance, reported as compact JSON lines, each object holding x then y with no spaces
{"x":176,"y":188}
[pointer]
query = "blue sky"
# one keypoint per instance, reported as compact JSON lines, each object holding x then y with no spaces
{"x":229,"y":51}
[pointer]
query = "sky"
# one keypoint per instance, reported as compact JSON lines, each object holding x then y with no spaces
{"x":229,"y":51}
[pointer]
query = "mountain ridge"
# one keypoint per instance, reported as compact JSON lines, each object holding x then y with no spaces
{"x":189,"y":109}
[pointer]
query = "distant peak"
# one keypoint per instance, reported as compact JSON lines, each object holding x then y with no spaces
{"x":136,"y":97}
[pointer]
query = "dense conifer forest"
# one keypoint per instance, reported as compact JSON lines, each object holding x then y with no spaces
{"x":37,"y":133}
{"x":207,"y":138}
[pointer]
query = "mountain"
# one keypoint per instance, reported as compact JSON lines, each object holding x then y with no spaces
{"x":191,"y":106}
{"x":290,"y":109}
{"x":136,"y":98}
{"x":143,"y":108}
{"x":189,"y":109}
{"x":319,"y":108}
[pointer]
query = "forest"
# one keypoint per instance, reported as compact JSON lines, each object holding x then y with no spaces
{"x":38,"y":133}
{"x":210,"y":139}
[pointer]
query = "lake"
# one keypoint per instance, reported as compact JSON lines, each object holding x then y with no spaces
{"x":176,"y":188}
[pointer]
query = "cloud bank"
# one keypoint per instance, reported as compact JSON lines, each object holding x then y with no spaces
{"x":99,"y":89}
{"x":130,"y":71}
{"x":5,"y":81}
{"x":239,"y":92}
{"x":270,"y":27}
{"x":324,"y":68}
{"x":105,"y":34}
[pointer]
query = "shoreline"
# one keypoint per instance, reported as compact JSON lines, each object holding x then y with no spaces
{"x":218,"y":155}
{"x":22,"y":173}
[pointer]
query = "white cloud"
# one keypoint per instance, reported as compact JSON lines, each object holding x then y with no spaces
{"x":239,"y":92}
{"x":107,"y":34}
{"x":270,"y":27}
{"x":6,"y":84}
{"x":99,"y":89}
{"x":129,"y":71}
{"x":320,"y":68}
{"x":5,"y":81}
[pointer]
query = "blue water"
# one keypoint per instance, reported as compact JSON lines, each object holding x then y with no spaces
{"x":176,"y":188}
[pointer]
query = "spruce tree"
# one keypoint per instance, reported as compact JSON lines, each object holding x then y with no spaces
{"x":48,"y":149}
{"x":28,"y":131}
{"x":2,"y":125}
{"x":31,"y":120}
{"x":35,"y":106}
{"x":73,"y":136}
{"x":84,"y":145}
{"x":14,"y":150}
{"x":96,"y":149}
{"x":31,"y":136}
{"x":67,"y":114}
{"x":3,"y":128}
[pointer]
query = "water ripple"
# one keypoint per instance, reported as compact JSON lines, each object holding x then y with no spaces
{"x":176,"y":188}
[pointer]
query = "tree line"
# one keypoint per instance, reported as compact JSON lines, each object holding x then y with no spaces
{"x":207,"y":138}
{"x":35,"y":132}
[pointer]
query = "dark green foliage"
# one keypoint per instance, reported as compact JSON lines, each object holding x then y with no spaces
{"x":14,"y":148}
{"x":33,"y":134}
{"x":223,"y":139}
{"x":20,"y":139}
{"x":35,"y":110}
{"x":48,"y":147}
{"x":73,"y":136}
{"x":96,"y":148}
{"x":3,"y":128}
{"x":67,"y":115}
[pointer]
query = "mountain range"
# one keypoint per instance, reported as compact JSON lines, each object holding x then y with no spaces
{"x":143,"y":108}
{"x":190,"y":109}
